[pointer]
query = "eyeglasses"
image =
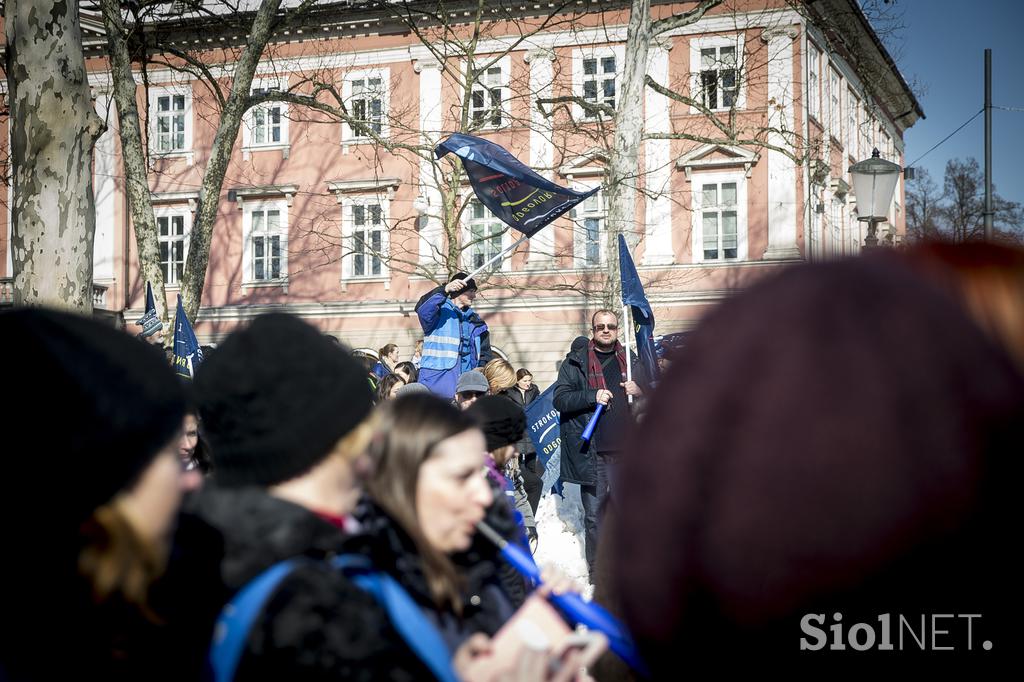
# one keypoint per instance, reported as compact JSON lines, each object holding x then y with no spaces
{"x":602,"y":327}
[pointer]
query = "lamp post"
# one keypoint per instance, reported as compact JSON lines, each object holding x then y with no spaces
{"x":874,"y":182}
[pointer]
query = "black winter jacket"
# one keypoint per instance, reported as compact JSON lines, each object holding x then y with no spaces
{"x":575,"y":402}
{"x":317,"y":625}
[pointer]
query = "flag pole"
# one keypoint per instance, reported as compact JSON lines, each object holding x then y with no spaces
{"x":504,"y":252}
{"x":627,"y":320}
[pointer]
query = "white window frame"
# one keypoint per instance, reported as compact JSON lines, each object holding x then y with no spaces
{"x":249,"y":142}
{"x":697,"y":225}
{"x":468,"y":262}
{"x":171,"y":90}
{"x":348,"y":229}
{"x":594,"y":208}
{"x":866,"y":138}
{"x":697,"y":45}
{"x":248,"y":209}
{"x":835,"y":112}
{"x":348,"y":134}
{"x":852,"y":109}
{"x":486,"y":88}
{"x":578,"y":77}
{"x":814,"y":82}
{"x":169,"y":213}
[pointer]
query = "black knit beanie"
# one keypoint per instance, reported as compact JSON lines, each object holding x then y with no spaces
{"x":92,"y":405}
{"x":501,"y":420}
{"x":275,"y":398}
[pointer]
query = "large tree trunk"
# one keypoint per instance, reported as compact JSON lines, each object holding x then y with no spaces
{"x":133,"y":155}
{"x":53,"y":129}
{"x":194,"y":278}
{"x":623,"y":162}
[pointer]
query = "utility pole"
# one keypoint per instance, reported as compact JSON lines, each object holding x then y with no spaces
{"x":988,"y":146}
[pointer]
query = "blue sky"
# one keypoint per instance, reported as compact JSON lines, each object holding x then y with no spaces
{"x":943,"y":47}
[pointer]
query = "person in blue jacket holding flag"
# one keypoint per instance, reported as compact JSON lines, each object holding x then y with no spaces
{"x":456,"y":340}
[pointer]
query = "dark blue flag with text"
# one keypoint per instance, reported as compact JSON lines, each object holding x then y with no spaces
{"x":643,"y":318}
{"x":546,"y":434}
{"x":149,"y":321}
{"x":516,"y":195}
{"x":187,"y":353}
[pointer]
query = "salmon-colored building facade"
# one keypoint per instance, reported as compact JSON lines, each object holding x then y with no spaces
{"x":317,"y":220}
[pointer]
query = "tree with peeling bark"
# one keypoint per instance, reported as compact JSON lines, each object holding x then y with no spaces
{"x":134,"y":37}
{"x":53,"y":130}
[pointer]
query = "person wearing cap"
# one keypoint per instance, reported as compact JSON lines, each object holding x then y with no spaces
{"x":456,"y":340}
{"x":503,"y":423}
{"x":471,"y":386}
{"x":287,"y":432}
{"x":88,"y":537}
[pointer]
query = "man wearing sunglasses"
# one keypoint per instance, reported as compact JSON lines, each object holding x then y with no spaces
{"x":592,"y":375}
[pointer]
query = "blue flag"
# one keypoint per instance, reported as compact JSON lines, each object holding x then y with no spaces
{"x":187,"y":353}
{"x":543,"y":428}
{"x":643,"y":318}
{"x":515,"y":194}
{"x":149,"y":321}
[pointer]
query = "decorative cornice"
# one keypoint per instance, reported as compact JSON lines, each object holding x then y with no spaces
{"x":368,"y":186}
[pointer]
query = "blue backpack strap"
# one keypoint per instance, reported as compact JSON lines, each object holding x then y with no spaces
{"x":237,"y":617}
{"x":405,"y":615}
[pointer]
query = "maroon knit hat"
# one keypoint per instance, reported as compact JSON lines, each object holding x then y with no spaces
{"x":839,"y":438}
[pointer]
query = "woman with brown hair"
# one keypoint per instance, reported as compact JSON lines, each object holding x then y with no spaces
{"x":106,"y":412}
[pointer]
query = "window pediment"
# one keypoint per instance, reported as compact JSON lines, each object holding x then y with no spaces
{"x":713,"y":156}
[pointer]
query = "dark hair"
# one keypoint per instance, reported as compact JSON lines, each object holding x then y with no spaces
{"x":470,"y":283}
{"x":386,"y":351}
{"x":385,"y":386}
{"x":410,"y":369}
{"x":523,"y":372}
{"x":410,"y":427}
{"x":603,"y":311}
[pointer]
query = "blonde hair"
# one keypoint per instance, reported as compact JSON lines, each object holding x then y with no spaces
{"x":115,"y":560}
{"x":500,"y":375}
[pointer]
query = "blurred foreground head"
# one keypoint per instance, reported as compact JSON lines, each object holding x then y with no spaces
{"x":841,"y":438}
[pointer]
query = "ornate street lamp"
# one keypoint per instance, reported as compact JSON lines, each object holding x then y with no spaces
{"x":874,"y":182}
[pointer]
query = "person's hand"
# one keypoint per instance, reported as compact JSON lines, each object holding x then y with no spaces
{"x":603,"y":397}
{"x":455,"y":286}
{"x":477,"y":645}
{"x":554,"y":581}
{"x":632,"y":388}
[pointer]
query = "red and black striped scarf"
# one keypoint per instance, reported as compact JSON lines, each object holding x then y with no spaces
{"x":595,"y":374}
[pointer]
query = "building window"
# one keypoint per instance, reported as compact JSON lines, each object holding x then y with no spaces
{"x":171,"y":120}
{"x":719,"y":216}
{"x":590,"y":223}
{"x":717,"y":72}
{"x":834,"y":113}
{"x":485,"y":236}
{"x":718,"y":221}
{"x":266,"y":242}
{"x":865,"y":134}
{"x":599,"y":81}
{"x":366,"y":96}
{"x":267,"y":123}
{"x":172,"y":238}
{"x":367,"y":241}
{"x":719,"y":82}
{"x":852,"y":106}
{"x":813,"y":86}
{"x":486,"y":100}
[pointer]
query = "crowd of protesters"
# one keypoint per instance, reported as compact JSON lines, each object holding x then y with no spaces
{"x":842,"y":439}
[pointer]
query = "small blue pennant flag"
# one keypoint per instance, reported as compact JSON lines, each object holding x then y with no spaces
{"x":149,"y":321}
{"x":516,"y":195}
{"x":187,"y":353}
{"x":643,"y":317}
